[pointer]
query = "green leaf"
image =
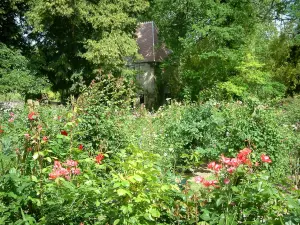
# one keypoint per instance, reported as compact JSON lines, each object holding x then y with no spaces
{"x":219,"y":201}
{"x":165,"y":187}
{"x":116,"y":221}
{"x":138,"y":178}
{"x":48,"y":159}
{"x":35,"y":155}
{"x":122,"y":192}
{"x":234,"y":189}
{"x":205,"y":216}
{"x":33,"y":178}
{"x":154,"y":212}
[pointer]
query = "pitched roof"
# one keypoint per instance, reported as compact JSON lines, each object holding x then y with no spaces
{"x":149,"y":46}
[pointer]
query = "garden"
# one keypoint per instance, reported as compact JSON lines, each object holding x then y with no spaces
{"x":216,"y":143}
{"x":98,"y":161}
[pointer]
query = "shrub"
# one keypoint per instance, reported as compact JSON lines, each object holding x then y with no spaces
{"x":212,"y":128}
{"x":239,"y":191}
{"x":55,"y":170}
{"x":103,"y":109}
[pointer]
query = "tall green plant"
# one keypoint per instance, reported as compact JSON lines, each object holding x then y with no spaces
{"x":15,"y":74}
{"x":76,"y":38}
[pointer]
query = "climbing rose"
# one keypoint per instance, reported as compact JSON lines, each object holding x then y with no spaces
{"x":234,"y":162}
{"x":57,"y":165}
{"x":45,"y":138}
{"x":63,"y":132}
{"x":214,"y":166}
{"x":208,"y":183}
{"x":231,"y":169}
{"x":39,"y":127}
{"x":225,"y":160}
{"x":211,"y":165}
{"x":32,"y":116}
{"x":11,"y":120}
{"x":245,"y":152}
{"x":54,"y":174}
{"x":75,"y":171}
{"x":226,"y":181}
{"x":80,"y":147}
{"x":59,"y":171}
{"x":63,"y":172}
{"x":99,"y":158}
{"x":198,"y":179}
{"x":265,"y":158}
{"x":71,"y":163}
{"x":243,"y":156}
{"x":217,"y":167}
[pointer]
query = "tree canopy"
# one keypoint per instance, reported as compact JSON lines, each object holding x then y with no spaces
{"x":215,"y":44}
{"x":76,"y":38}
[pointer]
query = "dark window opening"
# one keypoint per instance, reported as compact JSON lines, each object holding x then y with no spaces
{"x":142,"y":99}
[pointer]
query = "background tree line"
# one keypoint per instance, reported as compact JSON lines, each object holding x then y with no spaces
{"x":220,"y":48}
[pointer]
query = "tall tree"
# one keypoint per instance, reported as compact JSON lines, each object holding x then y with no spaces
{"x":76,"y":38}
{"x":15,"y":74}
{"x":12,"y":23}
{"x":209,"y":38}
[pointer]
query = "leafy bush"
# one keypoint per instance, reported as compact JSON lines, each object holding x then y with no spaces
{"x":15,"y":75}
{"x":238,"y":191}
{"x":253,"y":81}
{"x":103,"y":110}
{"x":53,"y":172}
{"x":49,"y":176}
{"x":214,"y":128}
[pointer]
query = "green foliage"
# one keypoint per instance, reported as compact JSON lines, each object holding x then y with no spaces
{"x":140,"y":186}
{"x":15,"y":76}
{"x":76,"y":39}
{"x":214,"y":128}
{"x":11,"y":97}
{"x":125,"y":172}
{"x":288,"y":116}
{"x":104,"y":108}
{"x":253,"y":82}
{"x":209,"y":39}
{"x":246,"y":195}
{"x":12,"y":23}
{"x":130,"y":179}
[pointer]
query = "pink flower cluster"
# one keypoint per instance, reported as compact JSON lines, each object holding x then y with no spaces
{"x":230,"y":164}
{"x":12,"y":117}
{"x":214,"y":166}
{"x":206,"y":183}
{"x":32,"y":116}
{"x":265,"y":158}
{"x":233,"y":163}
{"x":59,"y":171}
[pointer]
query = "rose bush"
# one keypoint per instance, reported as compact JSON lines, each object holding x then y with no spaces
{"x":58,"y":167}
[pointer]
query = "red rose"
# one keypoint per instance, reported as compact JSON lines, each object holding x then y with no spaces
{"x":32,"y":116}
{"x":99,"y":158}
{"x":63,"y":132}
{"x":265,"y":158}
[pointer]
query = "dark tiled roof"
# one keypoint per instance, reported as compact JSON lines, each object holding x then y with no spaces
{"x":149,"y":46}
